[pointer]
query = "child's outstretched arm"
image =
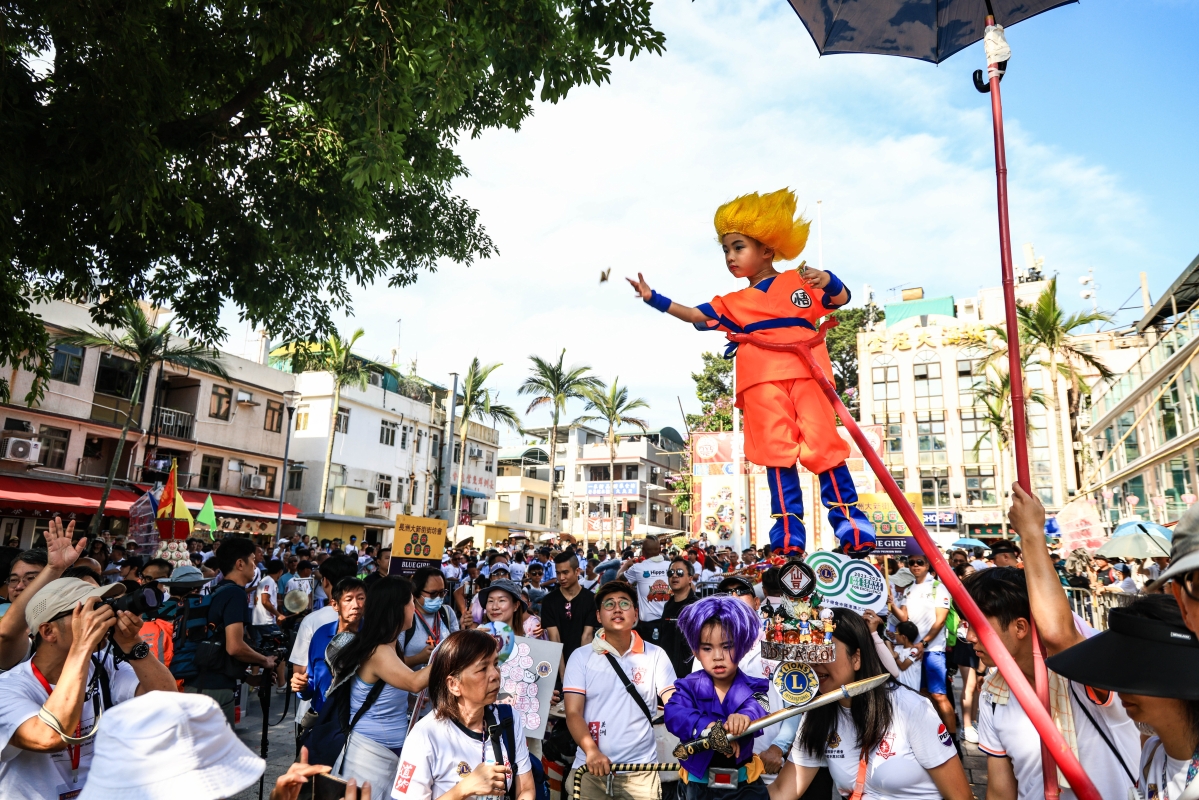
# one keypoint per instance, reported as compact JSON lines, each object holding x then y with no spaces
{"x":663,"y":303}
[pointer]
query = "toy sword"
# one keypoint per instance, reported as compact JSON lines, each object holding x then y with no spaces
{"x":716,"y":738}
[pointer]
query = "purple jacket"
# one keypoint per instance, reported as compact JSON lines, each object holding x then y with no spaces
{"x":694,"y":706}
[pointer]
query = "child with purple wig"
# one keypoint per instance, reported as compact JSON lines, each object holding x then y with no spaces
{"x":719,"y":630}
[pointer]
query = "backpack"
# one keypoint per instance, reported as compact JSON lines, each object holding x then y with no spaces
{"x":327,"y":737}
{"x":190,"y":628}
{"x":505,"y":725}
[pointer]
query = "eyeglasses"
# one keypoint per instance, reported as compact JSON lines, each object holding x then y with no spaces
{"x":677,"y":573}
{"x":612,"y":605}
{"x":434,"y":595}
{"x":917,"y":562}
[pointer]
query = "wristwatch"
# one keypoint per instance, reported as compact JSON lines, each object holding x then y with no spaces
{"x":139,"y":651}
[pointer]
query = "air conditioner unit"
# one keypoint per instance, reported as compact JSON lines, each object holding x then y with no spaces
{"x":21,"y":450}
{"x":253,"y":483}
{"x":474,"y":452}
{"x":372,"y":499}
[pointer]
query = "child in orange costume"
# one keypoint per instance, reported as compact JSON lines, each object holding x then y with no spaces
{"x":787,"y":417}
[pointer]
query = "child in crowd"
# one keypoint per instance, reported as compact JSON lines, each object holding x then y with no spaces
{"x":719,"y":630}
{"x":907,"y":654}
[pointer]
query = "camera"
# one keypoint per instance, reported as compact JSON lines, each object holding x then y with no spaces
{"x":145,"y":601}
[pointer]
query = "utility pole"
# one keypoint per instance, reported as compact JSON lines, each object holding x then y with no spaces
{"x":449,"y":452}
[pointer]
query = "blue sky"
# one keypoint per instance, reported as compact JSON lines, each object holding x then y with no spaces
{"x":1102,"y":131}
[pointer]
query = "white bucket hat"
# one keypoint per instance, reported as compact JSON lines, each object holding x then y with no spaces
{"x":168,"y":746}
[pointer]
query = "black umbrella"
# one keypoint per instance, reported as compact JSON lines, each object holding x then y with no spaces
{"x":933,"y":30}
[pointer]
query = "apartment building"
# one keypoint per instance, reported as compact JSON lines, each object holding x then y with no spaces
{"x":226,"y":436}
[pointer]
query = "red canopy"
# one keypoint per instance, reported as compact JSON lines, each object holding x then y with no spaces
{"x":33,"y":494}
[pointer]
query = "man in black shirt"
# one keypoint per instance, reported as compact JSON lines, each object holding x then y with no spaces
{"x":568,"y":612}
{"x":229,"y":612}
{"x":681,"y":580}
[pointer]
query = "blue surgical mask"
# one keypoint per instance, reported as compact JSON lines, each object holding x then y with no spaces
{"x":432,"y":604}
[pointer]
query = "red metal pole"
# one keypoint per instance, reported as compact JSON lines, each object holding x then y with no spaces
{"x":1041,"y":720}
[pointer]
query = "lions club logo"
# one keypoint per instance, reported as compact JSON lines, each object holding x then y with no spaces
{"x":800,"y":298}
{"x":463,"y":769}
{"x":834,"y":741}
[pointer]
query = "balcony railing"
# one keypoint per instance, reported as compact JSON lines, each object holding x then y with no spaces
{"x":174,"y":423}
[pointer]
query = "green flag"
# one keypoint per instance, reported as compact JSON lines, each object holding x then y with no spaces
{"x":207,"y":515}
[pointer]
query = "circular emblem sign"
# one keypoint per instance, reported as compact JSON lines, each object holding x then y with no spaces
{"x":800,"y":298}
{"x":797,"y":682}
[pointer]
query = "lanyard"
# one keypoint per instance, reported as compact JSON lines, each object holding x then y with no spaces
{"x":74,"y":750}
{"x":435,"y":631}
{"x":1192,"y":770}
{"x":859,"y":785}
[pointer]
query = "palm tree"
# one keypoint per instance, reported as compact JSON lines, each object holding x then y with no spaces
{"x":553,"y":385}
{"x":612,"y":405}
{"x":1048,"y":328}
{"x":334,"y":356}
{"x":146,"y":345}
{"x":478,"y":402}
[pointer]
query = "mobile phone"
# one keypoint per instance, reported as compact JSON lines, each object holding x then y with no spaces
{"x":323,"y":787}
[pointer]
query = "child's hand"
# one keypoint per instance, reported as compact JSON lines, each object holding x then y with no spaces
{"x":736,"y":724}
{"x":641,"y":287}
{"x":1027,"y":514}
{"x":818,"y":278}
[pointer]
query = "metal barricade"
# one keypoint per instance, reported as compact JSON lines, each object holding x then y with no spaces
{"x":1082,"y":603}
{"x":706,"y":588}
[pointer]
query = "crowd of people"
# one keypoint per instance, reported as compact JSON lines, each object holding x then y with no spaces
{"x":397,"y":678}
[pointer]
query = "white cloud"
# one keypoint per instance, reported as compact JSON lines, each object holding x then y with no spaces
{"x":627,"y":176}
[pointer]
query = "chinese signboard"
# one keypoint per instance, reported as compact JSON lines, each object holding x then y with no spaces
{"x":1080,"y":526}
{"x":891,"y":533}
{"x":932,"y":336}
{"x":622,"y":489}
{"x":419,"y":542}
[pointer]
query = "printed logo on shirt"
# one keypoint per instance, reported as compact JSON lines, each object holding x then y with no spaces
{"x":659,"y":592}
{"x":1153,"y":795}
{"x":463,"y":769}
{"x":886,"y":748}
{"x":944,"y":736}
{"x":595,"y":729}
{"x":834,"y":740}
{"x":638,"y":675}
{"x":404,"y":777}
{"x":800,"y":298}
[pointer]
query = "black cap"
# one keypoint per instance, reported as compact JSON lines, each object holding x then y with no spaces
{"x":1004,"y":546}
{"x":1137,"y":655}
{"x":734,"y":584}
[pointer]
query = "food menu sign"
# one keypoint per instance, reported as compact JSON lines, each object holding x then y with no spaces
{"x":419,"y":542}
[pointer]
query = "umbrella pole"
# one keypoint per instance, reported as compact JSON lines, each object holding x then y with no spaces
{"x":1016,"y":378}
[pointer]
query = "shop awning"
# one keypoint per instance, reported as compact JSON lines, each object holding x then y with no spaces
{"x":469,"y":493}
{"x":228,"y":505}
{"x":33,"y":494}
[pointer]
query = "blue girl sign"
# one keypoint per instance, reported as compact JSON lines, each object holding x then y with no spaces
{"x":846,"y":582}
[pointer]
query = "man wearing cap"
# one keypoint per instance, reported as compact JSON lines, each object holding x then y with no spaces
{"x":926,"y":603}
{"x":49,"y":705}
{"x":1005,"y":553}
{"x":1183,"y":572}
{"x":1105,"y":570}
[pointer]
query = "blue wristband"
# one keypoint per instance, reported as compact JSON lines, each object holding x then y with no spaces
{"x":835,"y":286}
{"x":659,"y":301}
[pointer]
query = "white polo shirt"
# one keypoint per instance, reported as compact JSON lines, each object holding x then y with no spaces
{"x":260,"y":616}
{"x":653,"y":588}
{"x":613,"y":717}
{"x":922,"y":600}
{"x":897,"y":768}
{"x":439,"y":753}
{"x":299,"y":651}
{"x":1005,"y":731}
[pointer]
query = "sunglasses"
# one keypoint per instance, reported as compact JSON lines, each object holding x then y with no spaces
{"x":917,"y":562}
{"x":677,"y":573}
{"x":741,"y":591}
{"x":612,"y":605}
{"x":434,"y":595}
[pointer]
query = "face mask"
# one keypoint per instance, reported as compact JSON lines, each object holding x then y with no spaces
{"x":432,"y":604}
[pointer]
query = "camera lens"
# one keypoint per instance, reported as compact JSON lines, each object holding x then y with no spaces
{"x":142,"y":602}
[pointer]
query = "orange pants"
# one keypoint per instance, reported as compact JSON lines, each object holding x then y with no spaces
{"x":789,"y":421}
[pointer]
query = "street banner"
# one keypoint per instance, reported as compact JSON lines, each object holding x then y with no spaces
{"x":1081,"y":526}
{"x":891,"y":533}
{"x":418,"y":542}
{"x":846,"y":582}
{"x":718,"y":496}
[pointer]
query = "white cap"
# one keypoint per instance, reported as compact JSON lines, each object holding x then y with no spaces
{"x":169,"y":746}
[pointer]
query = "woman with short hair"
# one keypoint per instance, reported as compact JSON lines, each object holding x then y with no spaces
{"x":468,"y":746}
{"x":372,"y":750}
{"x":885,"y":743}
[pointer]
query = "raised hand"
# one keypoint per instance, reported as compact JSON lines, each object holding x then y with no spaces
{"x":60,"y":552}
{"x":641,"y":287}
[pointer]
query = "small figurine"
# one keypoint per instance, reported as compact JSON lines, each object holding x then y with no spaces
{"x":776,"y":634}
{"x":805,"y":627}
{"x":826,"y":620}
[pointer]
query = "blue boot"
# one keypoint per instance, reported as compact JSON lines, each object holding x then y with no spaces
{"x":788,"y":534}
{"x":853,"y":528}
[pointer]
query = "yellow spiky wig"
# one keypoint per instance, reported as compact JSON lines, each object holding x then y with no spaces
{"x":769,"y":218}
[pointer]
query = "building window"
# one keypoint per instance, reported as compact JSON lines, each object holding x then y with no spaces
{"x":115,"y":376}
{"x":387,"y":433}
{"x":429,"y":499}
{"x":343,"y":421}
{"x":884,"y":376}
{"x":1132,"y":447}
{"x":900,"y":479}
{"x":295,"y":480}
{"x":435,"y":449}
{"x":630,"y":472}
{"x":653,"y":512}
{"x":927,"y":374}
{"x":419,"y":435}
{"x":404,"y":437}
{"x":301,"y":418}
{"x":1167,"y":413}
{"x":270,"y":473}
{"x":934,"y":488}
{"x":541,"y":509}
{"x":274,"y":416}
{"x":668,"y":517}
{"x":457,"y":451}
{"x":489,"y":462}
{"x":597,"y":473}
{"x":54,"y":447}
{"x":529,"y":510}
{"x":892,"y":436}
{"x":221,"y":402}
{"x":415,"y":492}
{"x":19,"y":425}
{"x":930,"y":437}
{"x":1039,"y":454}
{"x":976,"y":437}
{"x":383,"y":487}
{"x":980,"y":486}
{"x":68,"y":364}
{"x":970,"y":378}
{"x":210,"y":472}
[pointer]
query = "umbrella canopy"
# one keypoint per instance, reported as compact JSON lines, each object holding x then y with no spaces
{"x":1140,"y":526}
{"x":1135,"y":545}
{"x":968,"y":542}
{"x":928,"y":30}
